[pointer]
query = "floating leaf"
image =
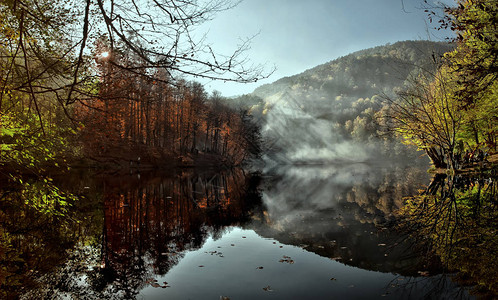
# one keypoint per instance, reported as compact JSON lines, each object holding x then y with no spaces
{"x":287,"y":259}
{"x":267,"y":289}
{"x":259,"y":268}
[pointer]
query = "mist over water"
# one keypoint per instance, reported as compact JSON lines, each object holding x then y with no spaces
{"x":314,"y":192}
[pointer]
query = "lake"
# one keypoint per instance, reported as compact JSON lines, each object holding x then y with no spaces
{"x":292,"y":232}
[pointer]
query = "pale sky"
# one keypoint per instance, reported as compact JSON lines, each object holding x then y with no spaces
{"x":295,"y":35}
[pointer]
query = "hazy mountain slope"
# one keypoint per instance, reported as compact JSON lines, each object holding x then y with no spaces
{"x":360,"y":73}
{"x":327,"y":113}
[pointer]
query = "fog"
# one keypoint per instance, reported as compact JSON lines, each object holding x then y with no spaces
{"x":300,"y":137}
{"x":329,"y":114}
{"x":309,"y":130}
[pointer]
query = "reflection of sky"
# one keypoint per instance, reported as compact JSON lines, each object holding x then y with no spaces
{"x":236,"y":274}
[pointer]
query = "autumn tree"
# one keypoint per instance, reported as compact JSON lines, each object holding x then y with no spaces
{"x":427,"y":116}
{"x":458,"y":104}
{"x":474,"y":64}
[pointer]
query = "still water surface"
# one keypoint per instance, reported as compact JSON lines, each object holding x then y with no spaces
{"x":308,"y":232}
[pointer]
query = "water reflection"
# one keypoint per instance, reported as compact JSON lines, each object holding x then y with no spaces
{"x":343,"y":213}
{"x":456,"y":219}
{"x":33,"y":242}
{"x":209,"y":234}
{"x":147,"y":224}
{"x":148,"y":227}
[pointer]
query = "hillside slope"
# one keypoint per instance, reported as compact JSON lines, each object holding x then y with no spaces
{"x":329,"y":112}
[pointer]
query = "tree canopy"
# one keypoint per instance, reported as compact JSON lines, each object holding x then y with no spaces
{"x":455,"y":109}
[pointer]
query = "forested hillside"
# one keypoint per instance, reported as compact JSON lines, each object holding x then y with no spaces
{"x":325,"y":112}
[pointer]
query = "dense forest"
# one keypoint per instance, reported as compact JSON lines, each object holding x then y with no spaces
{"x":74,"y":93}
{"x":138,"y":119}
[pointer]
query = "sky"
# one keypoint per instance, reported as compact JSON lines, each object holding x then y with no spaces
{"x":296,"y":35}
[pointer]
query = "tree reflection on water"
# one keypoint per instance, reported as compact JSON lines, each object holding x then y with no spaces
{"x":456,"y":218}
{"x":126,"y":232}
{"x":147,"y":229}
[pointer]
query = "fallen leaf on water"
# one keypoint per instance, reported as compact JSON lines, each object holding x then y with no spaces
{"x":267,"y":289}
{"x":381,"y":244}
{"x":224,"y":298}
{"x":423,"y":273}
{"x":286,"y":259}
{"x":333,"y":278}
{"x":281,"y":246}
{"x":156,"y":285}
{"x":336,"y":258}
{"x":232,"y":245}
{"x":201,"y":266}
{"x":259,"y":268}
{"x":243,"y":237}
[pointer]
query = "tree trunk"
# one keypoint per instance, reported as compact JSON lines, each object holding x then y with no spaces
{"x":436,"y":158}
